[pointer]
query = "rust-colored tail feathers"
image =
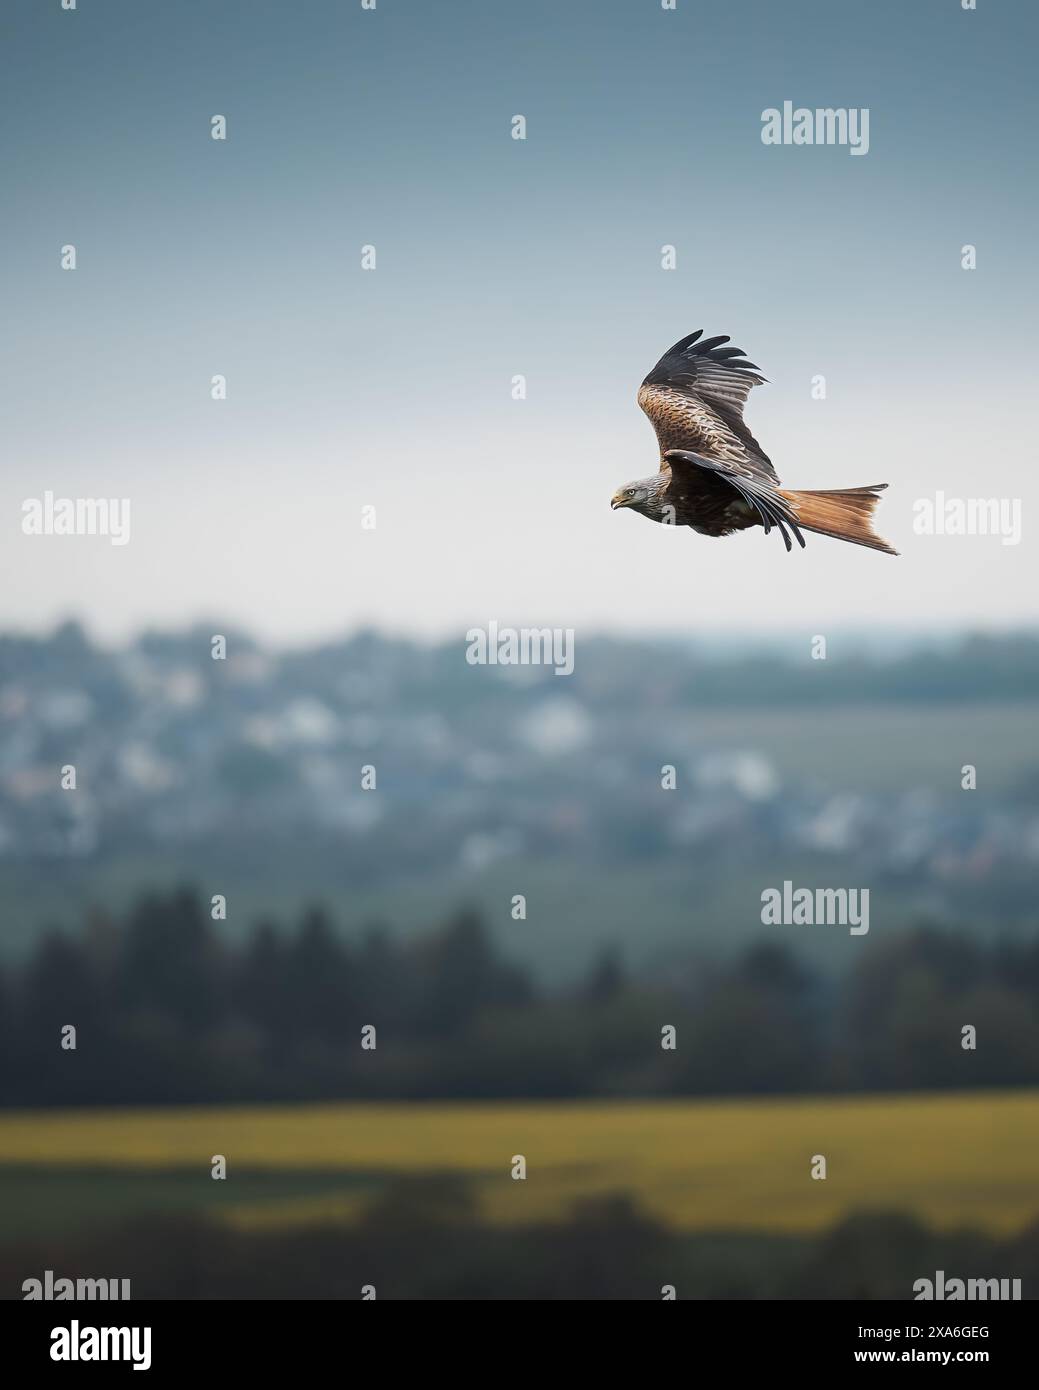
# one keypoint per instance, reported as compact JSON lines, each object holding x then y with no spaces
{"x":844,"y":513}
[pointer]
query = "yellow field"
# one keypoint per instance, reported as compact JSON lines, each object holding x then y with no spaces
{"x":950,"y":1159}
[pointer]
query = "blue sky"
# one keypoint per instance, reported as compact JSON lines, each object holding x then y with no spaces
{"x":498,"y":257}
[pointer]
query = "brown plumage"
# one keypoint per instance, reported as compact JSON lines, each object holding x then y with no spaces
{"x":714,"y":475}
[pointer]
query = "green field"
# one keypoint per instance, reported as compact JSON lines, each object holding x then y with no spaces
{"x":883,"y":747}
{"x":950,"y":1160}
{"x":652,"y":908}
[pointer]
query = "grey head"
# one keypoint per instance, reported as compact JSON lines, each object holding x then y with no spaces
{"x":644,"y":495}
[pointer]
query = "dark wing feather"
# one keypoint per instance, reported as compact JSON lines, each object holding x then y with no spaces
{"x":758,"y":493}
{"x":694,"y":397}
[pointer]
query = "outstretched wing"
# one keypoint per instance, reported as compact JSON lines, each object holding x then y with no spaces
{"x":694,"y":397}
{"x":758,"y":493}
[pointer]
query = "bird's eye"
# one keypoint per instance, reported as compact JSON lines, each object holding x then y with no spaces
{"x":631,"y":492}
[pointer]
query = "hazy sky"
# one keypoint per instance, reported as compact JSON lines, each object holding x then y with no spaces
{"x":495,"y":257}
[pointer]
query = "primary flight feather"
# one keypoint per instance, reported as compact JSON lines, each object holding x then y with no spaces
{"x":714,"y":475}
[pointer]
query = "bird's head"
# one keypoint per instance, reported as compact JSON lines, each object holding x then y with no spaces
{"x":635,"y":494}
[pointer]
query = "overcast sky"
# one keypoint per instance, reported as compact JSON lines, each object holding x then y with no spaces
{"x":498,"y":257}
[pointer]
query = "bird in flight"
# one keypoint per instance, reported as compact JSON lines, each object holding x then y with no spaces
{"x":714,"y":475}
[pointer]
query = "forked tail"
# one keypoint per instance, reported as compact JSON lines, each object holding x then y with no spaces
{"x":844,"y":513}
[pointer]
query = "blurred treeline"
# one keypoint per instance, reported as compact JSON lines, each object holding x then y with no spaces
{"x":423,"y":1239}
{"x":166,"y":1011}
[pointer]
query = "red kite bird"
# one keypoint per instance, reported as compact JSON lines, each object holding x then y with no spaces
{"x":714,"y":476}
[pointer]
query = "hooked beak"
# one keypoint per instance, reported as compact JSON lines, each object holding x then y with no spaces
{"x":616,"y":502}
